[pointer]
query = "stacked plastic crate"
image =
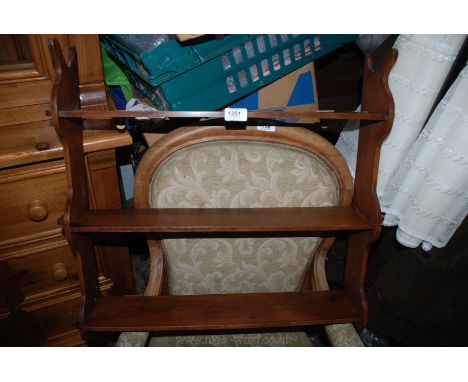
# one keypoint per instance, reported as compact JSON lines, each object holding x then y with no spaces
{"x":214,"y":72}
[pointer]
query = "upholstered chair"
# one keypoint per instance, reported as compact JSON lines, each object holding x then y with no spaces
{"x":217,"y":167}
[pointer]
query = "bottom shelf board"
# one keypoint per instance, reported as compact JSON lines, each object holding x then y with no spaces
{"x":229,"y":311}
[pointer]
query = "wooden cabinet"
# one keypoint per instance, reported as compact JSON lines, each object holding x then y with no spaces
{"x":39,"y":286}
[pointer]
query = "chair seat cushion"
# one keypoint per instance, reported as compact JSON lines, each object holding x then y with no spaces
{"x":343,"y":335}
{"x":296,"y":339}
{"x":263,"y":339}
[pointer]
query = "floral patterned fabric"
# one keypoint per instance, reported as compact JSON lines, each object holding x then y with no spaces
{"x":283,"y":339}
{"x":289,"y":339}
{"x":244,"y":175}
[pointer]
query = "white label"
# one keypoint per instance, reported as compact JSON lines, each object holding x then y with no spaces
{"x":266,"y":128}
{"x":235,"y":114}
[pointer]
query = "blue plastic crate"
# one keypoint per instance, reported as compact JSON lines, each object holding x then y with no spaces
{"x":157,"y":58}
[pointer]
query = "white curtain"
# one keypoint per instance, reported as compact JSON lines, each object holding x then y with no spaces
{"x":423,"y":172}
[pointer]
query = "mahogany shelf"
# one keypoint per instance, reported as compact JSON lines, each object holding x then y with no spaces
{"x":109,"y":114}
{"x":210,"y":312}
{"x":220,"y":220}
{"x":228,"y":311}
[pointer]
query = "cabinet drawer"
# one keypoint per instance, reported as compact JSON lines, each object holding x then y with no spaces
{"x":46,"y":273}
{"x":55,"y":320}
{"x":59,"y":322}
{"x":33,"y":199}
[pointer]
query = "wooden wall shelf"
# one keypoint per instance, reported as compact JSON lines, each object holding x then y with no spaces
{"x":361,"y":220}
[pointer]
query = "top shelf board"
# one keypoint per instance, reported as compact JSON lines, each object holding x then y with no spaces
{"x":109,"y":114}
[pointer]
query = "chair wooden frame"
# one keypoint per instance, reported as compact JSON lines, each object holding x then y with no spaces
{"x":360,"y":219}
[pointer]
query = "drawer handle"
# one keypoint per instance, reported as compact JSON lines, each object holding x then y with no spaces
{"x":59,"y":271}
{"x":37,"y":210}
{"x":42,"y":146}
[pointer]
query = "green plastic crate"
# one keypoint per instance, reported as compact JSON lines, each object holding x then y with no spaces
{"x":239,"y":72}
{"x":158,"y":64}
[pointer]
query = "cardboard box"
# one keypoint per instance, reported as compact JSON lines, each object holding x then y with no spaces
{"x":293,"y":92}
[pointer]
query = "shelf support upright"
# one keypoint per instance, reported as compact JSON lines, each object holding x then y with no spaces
{"x":66,"y":96}
{"x":376,"y":98}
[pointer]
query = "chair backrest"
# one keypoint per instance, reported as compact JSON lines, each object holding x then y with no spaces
{"x":216,"y":167}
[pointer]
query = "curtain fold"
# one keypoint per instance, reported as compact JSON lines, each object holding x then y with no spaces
{"x":423,"y":174}
{"x":428,"y":195}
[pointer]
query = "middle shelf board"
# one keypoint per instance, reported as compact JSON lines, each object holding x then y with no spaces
{"x":223,"y":220}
